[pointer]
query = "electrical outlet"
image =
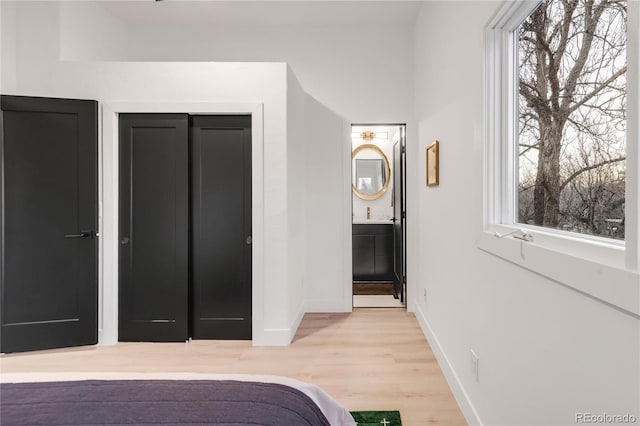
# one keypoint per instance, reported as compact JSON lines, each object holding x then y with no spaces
{"x":475,"y":363}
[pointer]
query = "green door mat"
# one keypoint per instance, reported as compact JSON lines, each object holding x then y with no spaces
{"x":377,"y":418}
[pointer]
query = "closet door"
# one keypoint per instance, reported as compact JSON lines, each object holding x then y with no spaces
{"x":48,"y":249}
{"x":154,"y":247}
{"x":221,"y":226}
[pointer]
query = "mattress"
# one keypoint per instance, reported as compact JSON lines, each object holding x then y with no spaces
{"x":165,"y":398}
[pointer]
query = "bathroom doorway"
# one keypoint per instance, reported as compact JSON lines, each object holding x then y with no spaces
{"x":378,"y":215}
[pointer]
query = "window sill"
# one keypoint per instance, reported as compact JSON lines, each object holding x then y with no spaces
{"x":596,"y":270}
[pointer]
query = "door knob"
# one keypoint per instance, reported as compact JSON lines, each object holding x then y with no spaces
{"x":82,"y":234}
{"x":124,"y":241}
{"x":248,"y":240}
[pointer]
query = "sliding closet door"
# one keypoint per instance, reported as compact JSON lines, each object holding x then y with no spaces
{"x":48,"y":249}
{"x":153,"y":227}
{"x":221,"y":226}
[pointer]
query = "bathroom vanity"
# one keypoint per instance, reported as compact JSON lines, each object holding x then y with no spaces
{"x":373,"y":251}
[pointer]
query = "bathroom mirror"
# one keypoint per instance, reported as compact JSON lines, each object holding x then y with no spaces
{"x":370,"y":172}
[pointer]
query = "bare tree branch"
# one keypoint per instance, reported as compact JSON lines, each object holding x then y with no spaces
{"x":591,"y":19}
{"x":598,"y":89}
{"x":591,"y":167}
{"x":572,"y":109}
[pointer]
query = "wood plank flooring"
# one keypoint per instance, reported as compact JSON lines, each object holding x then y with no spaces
{"x":371,"y":359}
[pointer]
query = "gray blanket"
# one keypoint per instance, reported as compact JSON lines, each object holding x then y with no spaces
{"x":156,"y":402}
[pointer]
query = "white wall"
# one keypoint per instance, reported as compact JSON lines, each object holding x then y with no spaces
{"x":88,"y":32}
{"x":296,"y":194}
{"x":328,"y":273}
{"x":352,"y":72}
{"x":363,"y":72}
{"x":7,"y":48}
{"x":40,"y":73}
{"x":298,"y":131}
{"x":546,"y":351}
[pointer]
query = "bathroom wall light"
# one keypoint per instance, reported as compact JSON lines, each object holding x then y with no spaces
{"x":369,"y":135}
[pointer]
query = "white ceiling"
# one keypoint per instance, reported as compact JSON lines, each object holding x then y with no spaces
{"x":264,"y":12}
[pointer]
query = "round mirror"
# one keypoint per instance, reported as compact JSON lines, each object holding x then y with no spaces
{"x":370,"y":172}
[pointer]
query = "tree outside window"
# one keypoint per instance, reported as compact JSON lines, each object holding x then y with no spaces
{"x":572,"y":116}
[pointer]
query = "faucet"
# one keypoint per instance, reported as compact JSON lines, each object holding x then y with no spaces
{"x":368,"y":213}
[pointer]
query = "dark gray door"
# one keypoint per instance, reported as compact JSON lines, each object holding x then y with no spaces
{"x":399,"y":218}
{"x":221,"y":226}
{"x":154,"y":247}
{"x":49,"y":219}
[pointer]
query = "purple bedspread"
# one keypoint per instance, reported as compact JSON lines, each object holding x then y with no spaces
{"x":156,"y":402}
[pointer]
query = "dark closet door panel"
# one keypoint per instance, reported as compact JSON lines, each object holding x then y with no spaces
{"x":153,"y":227}
{"x":221,"y":227}
{"x":49,"y":217}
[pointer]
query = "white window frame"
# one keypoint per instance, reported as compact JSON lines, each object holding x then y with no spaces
{"x":603,"y":268}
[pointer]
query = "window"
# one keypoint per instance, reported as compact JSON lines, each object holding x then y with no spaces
{"x":561,"y":115}
{"x":571,"y":67}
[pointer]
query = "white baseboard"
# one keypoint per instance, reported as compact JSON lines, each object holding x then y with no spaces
{"x":269,"y":337}
{"x":279,"y":336}
{"x":296,"y":323}
{"x":468,"y":410}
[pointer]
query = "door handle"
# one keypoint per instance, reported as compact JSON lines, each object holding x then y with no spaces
{"x":248,"y":240}
{"x":82,"y":234}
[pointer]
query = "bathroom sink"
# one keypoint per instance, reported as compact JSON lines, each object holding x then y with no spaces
{"x":371,"y":221}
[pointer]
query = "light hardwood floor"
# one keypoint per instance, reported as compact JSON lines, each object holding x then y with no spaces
{"x":371,"y":359}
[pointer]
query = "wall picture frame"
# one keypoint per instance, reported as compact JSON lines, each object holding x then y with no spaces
{"x":433,"y":164}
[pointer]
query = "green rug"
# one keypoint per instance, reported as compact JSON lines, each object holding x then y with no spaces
{"x":377,"y":418}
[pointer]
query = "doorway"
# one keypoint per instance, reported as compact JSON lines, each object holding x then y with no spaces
{"x":110,"y":241}
{"x":185,"y":227}
{"x":378,"y":215}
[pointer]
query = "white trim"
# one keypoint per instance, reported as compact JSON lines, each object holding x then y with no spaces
{"x":582,"y":257}
{"x":499,"y":98}
{"x":108,"y":187}
{"x":455,"y":384}
{"x":99,"y":233}
{"x":632,"y":228}
{"x":275,"y":337}
{"x":281,"y":336}
{"x":511,"y":14}
{"x":296,"y":323}
{"x":615,"y":286}
{"x":347,"y":231}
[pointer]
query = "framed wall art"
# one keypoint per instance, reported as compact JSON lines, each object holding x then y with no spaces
{"x":433,"y":166}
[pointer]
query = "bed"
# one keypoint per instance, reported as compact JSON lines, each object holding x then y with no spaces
{"x":171,"y":398}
